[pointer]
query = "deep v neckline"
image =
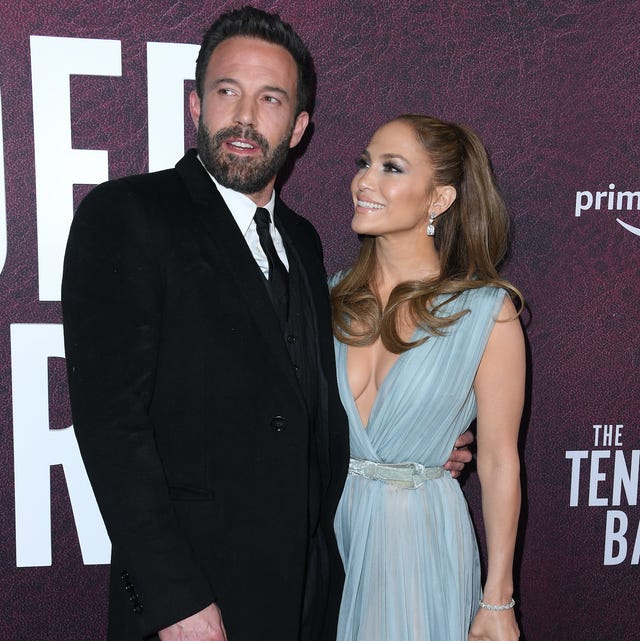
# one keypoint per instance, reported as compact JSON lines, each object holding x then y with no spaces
{"x":394,"y":366}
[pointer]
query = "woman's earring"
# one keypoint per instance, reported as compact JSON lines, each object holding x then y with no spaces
{"x":431,"y":230}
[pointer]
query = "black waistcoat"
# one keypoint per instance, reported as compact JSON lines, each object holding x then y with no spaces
{"x":300,"y":337}
{"x":300,"y":340}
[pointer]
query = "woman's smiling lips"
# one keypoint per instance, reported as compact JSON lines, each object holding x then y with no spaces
{"x":368,"y":205}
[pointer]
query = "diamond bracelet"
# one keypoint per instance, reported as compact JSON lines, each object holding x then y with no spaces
{"x":497,"y":608}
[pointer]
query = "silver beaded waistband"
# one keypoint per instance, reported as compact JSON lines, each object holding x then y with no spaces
{"x":408,"y":475}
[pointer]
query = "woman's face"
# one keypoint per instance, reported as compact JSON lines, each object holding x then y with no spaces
{"x":393,"y":188}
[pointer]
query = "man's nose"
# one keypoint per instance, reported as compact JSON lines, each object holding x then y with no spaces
{"x":245,"y":112}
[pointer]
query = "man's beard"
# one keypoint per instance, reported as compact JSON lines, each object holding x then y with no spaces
{"x":247,"y":175}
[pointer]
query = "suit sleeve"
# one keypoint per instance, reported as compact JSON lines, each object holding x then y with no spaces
{"x":112,"y":310}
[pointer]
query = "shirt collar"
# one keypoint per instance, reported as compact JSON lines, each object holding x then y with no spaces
{"x":242,"y":208}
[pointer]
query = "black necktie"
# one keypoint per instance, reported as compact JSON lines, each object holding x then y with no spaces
{"x":278,"y":280}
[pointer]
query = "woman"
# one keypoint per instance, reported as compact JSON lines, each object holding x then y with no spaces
{"x":427,"y":338}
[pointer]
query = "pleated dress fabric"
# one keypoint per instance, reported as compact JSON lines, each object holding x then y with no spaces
{"x":410,"y":554}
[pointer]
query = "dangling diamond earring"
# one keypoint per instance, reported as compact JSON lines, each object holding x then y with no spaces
{"x":431,"y":230}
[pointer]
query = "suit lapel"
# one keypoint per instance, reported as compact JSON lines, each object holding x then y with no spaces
{"x":226,"y":242}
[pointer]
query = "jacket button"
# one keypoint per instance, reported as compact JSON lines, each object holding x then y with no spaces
{"x":279,"y":423}
{"x":291,"y":339}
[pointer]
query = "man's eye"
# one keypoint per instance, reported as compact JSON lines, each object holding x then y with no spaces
{"x":271,"y":99}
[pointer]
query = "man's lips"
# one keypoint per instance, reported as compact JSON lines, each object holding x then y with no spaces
{"x":242,"y":146}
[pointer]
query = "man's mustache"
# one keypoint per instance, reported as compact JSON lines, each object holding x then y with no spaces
{"x":246,"y":133}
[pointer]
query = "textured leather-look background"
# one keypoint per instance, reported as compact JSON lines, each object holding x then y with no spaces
{"x":552,"y":88}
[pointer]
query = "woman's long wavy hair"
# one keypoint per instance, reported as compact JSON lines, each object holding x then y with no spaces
{"x":471,"y":238}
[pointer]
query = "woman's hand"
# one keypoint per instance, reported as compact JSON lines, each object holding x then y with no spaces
{"x":494,"y":626}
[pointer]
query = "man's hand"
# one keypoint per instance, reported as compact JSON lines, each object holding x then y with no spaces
{"x":205,"y":625}
{"x":461,"y":455}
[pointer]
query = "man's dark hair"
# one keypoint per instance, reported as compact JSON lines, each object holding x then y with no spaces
{"x":254,"y":23}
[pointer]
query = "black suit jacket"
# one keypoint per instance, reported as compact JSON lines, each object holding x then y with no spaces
{"x":189,"y":415}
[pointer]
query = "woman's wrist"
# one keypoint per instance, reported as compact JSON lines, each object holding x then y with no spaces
{"x":497,"y":607}
{"x":497,"y":590}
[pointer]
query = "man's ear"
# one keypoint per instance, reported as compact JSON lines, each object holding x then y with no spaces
{"x":194,"y":107}
{"x":302,"y":120}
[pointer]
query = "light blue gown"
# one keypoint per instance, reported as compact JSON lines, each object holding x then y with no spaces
{"x":410,"y":554}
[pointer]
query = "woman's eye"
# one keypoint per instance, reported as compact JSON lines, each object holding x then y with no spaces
{"x":361,"y":163}
{"x":392,"y":168}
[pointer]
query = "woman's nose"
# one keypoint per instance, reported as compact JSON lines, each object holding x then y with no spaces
{"x":364,"y":178}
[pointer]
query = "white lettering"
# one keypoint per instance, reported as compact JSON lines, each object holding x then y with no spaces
{"x":596,"y":477}
{"x":629,"y":196}
{"x":59,"y":166}
{"x":581,"y":204}
{"x":616,"y":528}
{"x":614,"y":200}
{"x":627,"y":477}
{"x":596,"y":429}
{"x":37,"y":448}
{"x":168,"y":66}
{"x":575,"y":457}
{"x":3,"y":200}
{"x":607,"y":435}
{"x":618,"y":442}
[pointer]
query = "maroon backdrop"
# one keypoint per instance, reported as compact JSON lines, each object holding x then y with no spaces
{"x":552,"y":88}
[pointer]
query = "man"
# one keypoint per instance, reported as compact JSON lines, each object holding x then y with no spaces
{"x":209,"y":423}
{"x":201,"y":369}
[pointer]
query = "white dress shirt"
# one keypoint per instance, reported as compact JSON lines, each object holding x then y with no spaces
{"x":243,"y":209}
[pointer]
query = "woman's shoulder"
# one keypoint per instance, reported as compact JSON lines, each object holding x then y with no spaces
{"x":473,"y":296}
{"x":485,"y":300}
{"x":487,"y":292}
{"x":494,"y":301}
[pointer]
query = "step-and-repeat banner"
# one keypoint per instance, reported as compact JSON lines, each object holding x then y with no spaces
{"x":95,"y":91}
